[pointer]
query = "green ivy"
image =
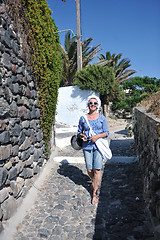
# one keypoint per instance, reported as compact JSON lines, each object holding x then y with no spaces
{"x":45,"y":60}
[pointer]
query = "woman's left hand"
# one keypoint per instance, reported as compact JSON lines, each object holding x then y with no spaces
{"x":94,"y":138}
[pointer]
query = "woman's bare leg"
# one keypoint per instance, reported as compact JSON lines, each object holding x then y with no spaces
{"x":97,"y":182}
{"x":91,"y":175}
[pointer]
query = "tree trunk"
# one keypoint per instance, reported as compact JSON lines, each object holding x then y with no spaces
{"x":104,"y":103}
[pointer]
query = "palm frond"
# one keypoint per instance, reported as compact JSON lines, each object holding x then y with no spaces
{"x":123,"y":76}
{"x":108,"y":56}
{"x":101,"y":57}
{"x":69,"y":57}
{"x":119,"y":66}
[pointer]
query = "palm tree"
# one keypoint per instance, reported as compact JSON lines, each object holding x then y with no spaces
{"x":119,"y":67}
{"x":69,"y":58}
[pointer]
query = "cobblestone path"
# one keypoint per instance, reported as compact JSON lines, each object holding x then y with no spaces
{"x":63,"y":209}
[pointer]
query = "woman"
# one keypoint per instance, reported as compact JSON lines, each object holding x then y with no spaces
{"x":92,"y":155}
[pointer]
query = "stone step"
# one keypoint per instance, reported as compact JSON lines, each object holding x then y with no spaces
{"x":113,"y":160}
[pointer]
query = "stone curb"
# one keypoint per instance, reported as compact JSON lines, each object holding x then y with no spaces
{"x":113,"y":160}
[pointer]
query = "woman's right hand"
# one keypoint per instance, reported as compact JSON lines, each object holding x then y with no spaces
{"x":84,"y":138}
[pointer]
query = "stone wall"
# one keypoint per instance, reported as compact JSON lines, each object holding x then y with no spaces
{"x":147,"y":139}
{"x":21,"y":138}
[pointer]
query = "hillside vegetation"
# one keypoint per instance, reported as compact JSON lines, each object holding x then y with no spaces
{"x":152,"y":104}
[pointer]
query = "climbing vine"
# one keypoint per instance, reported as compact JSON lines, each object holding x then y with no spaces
{"x":45,"y":60}
{"x":32,"y":18}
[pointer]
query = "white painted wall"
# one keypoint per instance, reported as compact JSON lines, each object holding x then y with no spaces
{"x":71,"y":104}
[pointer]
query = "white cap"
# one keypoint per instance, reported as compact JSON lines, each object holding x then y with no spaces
{"x":97,"y":98}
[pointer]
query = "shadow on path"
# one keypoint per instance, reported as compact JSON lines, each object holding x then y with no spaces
{"x":121,"y":209}
{"x":75,"y":174}
{"x":123,"y":147}
{"x":122,"y":132}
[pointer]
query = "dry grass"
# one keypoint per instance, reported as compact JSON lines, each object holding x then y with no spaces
{"x":152,"y":104}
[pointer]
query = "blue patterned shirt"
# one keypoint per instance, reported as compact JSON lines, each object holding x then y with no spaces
{"x":98,"y":125}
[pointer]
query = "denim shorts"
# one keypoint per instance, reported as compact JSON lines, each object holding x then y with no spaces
{"x":93,"y":159}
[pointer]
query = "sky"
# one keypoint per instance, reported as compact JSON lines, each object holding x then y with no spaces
{"x":130,"y":27}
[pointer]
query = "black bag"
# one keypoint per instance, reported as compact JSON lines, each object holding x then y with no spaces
{"x":76,"y":142}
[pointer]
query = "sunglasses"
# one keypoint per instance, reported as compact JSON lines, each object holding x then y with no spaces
{"x":95,"y":103}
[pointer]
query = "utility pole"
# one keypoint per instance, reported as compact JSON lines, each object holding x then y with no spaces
{"x":141,"y":73}
{"x":79,"y":44}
